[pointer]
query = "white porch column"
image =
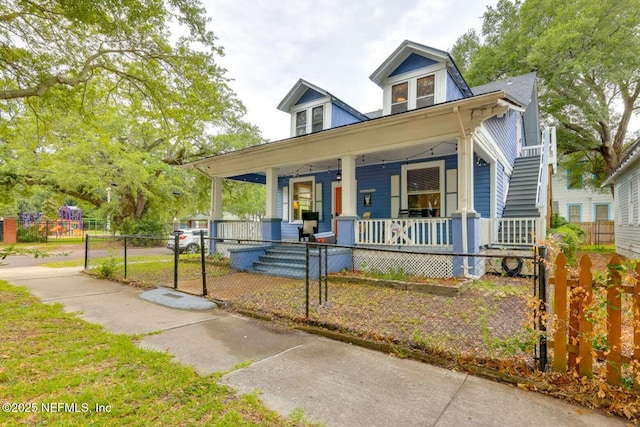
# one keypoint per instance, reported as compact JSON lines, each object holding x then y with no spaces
{"x":272,"y":193}
{"x":465,"y":174}
{"x":349,"y":187}
{"x":216,"y":198}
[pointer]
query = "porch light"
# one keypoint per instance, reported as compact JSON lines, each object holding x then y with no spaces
{"x":339,"y":176}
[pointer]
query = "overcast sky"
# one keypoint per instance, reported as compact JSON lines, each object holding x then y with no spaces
{"x":334,"y":44}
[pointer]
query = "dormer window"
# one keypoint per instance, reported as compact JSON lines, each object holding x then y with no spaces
{"x":301,"y":122}
{"x":310,"y":120}
{"x":399,"y":97}
{"x":425,"y":91}
{"x":414,"y":93}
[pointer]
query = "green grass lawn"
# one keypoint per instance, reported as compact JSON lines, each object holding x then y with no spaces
{"x":52,"y":360}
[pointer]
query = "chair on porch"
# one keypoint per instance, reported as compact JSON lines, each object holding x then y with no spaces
{"x":309,"y":225}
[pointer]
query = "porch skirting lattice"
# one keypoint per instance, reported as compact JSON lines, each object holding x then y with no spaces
{"x":419,"y":264}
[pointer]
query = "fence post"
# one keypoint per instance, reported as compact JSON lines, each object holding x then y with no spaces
{"x":560,"y":335}
{"x":326,"y":274}
{"x":176,"y":259}
{"x":125,"y":257}
{"x":319,"y":274}
{"x":585,"y":366}
{"x":614,"y":320}
{"x":306,"y":246}
{"x":204,"y":270}
{"x":86,"y":253}
{"x":542,"y":295}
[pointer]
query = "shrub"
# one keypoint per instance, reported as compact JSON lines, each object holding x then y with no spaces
{"x":569,"y":237}
{"x":107,"y":267}
{"x":145,"y":227}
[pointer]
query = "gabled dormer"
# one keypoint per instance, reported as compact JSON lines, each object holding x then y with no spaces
{"x":416,"y":76}
{"x":314,"y":109}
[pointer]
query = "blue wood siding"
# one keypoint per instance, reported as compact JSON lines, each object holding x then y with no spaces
{"x":504,"y":132}
{"x":482,"y":190}
{"x":309,"y":95}
{"x":413,"y":62}
{"x":453,"y":91}
{"x":372,"y":177}
{"x":341,"y":117}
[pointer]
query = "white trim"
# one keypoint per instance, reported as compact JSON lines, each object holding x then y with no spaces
{"x":313,"y":196}
{"x":403,"y":187}
{"x":394,"y":195}
{"x":493,"y":178}
{"x":318,"y":203}
{"x":325,"y":102}
{"x":439,"y":71}
{"x":630,"y":200}
{"x":285,"y":203}
{"x":638,"y":197}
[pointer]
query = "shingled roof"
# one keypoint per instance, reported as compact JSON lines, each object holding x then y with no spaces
{"x":520,"y":88}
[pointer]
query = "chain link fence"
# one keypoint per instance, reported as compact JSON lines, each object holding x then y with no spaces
{"x":401,"y":297}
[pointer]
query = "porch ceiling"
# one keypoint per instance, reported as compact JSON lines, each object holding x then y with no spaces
{"x":424,"y":132}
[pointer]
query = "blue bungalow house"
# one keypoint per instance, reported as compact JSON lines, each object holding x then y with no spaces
{"x":443,"y":167}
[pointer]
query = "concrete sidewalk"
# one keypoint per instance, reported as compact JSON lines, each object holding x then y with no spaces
{"x":334,"y":383}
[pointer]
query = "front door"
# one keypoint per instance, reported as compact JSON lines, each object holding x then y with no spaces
{"x":336,"y":203}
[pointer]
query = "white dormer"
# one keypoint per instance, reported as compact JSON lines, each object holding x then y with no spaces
{"x":314,"y":109}
{"x":417,"y":76}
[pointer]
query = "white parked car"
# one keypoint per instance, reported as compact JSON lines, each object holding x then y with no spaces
{"x":188,"y":240}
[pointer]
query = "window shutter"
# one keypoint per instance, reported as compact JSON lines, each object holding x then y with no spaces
{"x":318,"y":206}
{"x":285,"y":203}
{"x":395,"y":195}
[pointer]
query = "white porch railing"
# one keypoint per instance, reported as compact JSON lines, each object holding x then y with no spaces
{"x":404,"y":231}
{"x":511,"y":231}
{"x":250,"y":230}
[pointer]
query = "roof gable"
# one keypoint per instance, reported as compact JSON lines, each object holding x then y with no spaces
{"x":303,"y":92}
{"x":632,"y":155}
{"x":413,"y":62}
{"x":410,"y":56}
{"x":301,"y":89}
{"x":310,"y":95}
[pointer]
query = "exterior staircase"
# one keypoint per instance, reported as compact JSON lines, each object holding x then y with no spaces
{"x":520,"y":207}
{"x":521,"y":199}
{"x":283,"y":261}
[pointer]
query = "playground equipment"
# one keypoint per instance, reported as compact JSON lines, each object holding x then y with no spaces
{"x":69,"y":221}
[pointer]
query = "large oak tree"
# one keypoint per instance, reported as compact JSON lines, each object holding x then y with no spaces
{"x":98,"y":95}
{"x":587,"y":57}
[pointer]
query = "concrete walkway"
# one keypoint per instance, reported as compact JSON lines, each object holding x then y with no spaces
{"x":334,"y":383}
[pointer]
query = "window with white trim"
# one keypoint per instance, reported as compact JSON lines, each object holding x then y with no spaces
{"x":413,"y":93}
{"x":309,"y":120}
{"x":302,"y":197}
{"x":423,"y":188}
{"x":399,"y":97}
{"x":425,"y":91}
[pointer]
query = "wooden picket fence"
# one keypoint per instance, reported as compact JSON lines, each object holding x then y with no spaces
{"x":574,"y":321}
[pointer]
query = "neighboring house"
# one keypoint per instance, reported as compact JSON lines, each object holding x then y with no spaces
{"x":626,"y":182}
{"x":577,"y":202}
{"x":441,"y":168}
